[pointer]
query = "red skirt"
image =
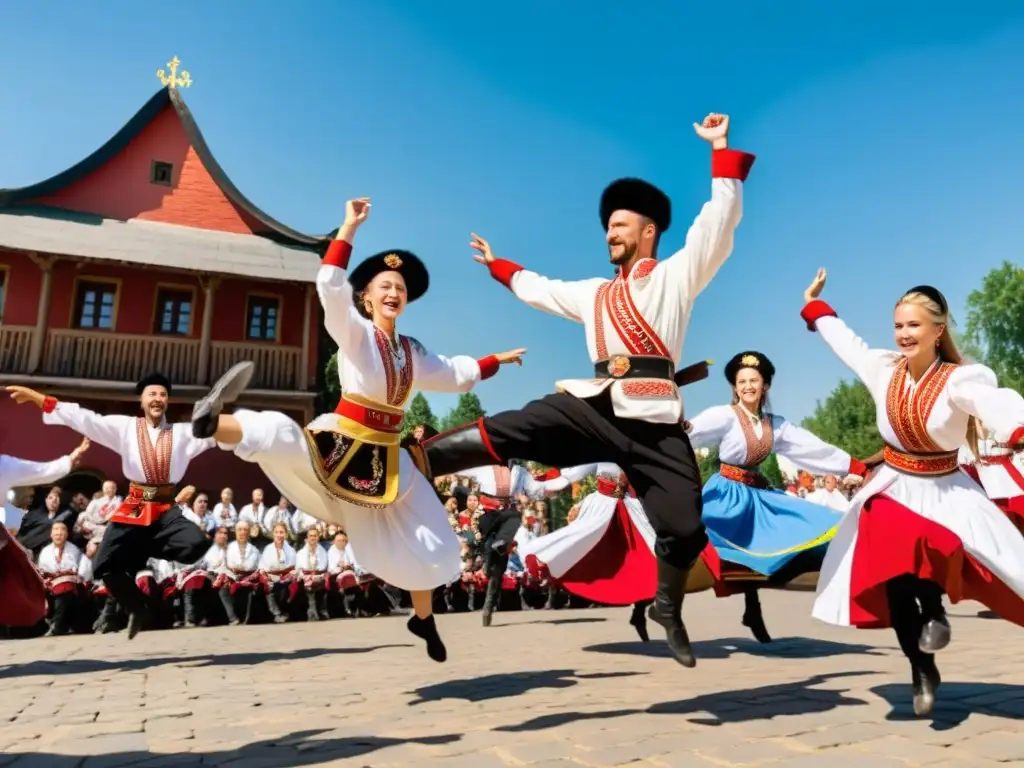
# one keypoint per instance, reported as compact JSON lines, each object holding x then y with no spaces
{"x":22,"y":592}
{"x":893,"y":540}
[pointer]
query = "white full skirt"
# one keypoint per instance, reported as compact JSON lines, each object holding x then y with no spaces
{"x":408,"y":544}
{"x":952,"y":501}
{"x":560,"y":550}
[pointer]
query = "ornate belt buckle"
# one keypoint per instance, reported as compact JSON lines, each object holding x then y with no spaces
{"x":618,"y":366}
{"x":149,"y":493}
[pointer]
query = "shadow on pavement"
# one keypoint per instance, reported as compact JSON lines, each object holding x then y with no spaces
{"x":784,"y":647}
{"x":84,"y":666}
{"x":487,"y":687}
{"x":301,"y":748}
{"x":736,"y":706}
{"x":955,"y":702}
{"x":552,"y":622}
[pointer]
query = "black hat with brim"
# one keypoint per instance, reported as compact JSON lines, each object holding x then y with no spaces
{"x":405,"y":263}
{"x":640,"y":197}
{"x":153,"y":380}
{"x":754,"y":360}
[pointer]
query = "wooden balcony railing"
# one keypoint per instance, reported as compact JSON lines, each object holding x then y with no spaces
{"x":15,"y":347}
{"x":79,"y":354}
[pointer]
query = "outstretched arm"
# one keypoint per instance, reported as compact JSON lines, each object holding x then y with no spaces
{"x":556,"y":297}
{"x":17,"y":473}
{"x":810,"y":453}
{"x":709,"y":427}
{"x":341,"y":319}
{"x":866,"y":363}
{"x":436,"y":373}
{"x":709,"y":241}
{"x":975,"y":389}
{"x":105,"y":430}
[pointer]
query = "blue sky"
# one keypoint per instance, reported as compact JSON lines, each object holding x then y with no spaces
{"x":887,"y":135}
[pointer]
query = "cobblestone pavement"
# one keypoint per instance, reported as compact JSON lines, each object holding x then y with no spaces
{"x":566,"y":688}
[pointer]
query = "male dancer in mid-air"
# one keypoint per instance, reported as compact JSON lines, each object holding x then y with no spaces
{"x":154,"y":456}
{"x":630,"y":411}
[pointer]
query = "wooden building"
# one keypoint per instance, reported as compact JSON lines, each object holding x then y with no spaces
{"x":144,"y":256}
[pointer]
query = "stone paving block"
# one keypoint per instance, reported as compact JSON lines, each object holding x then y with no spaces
{"x":1001,"y":746}
{"x":757,"y":752}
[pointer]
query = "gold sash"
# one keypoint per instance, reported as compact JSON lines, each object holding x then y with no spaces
{"x":357,"y":460}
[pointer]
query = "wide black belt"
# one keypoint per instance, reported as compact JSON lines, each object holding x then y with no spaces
{"x":638,"y":367}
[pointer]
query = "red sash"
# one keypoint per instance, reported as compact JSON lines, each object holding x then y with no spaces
{"x":146,"y":502}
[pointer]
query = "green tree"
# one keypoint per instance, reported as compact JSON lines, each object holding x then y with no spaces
{"x":466,"y":410}
{"x":708,"y":464}
{"x":847,"y":420}
{"x":995,"y":324}
{"x":772,"y":473}
{"x":418,"y":412}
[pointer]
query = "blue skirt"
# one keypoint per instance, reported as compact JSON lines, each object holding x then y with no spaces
{"x":763,"y":530}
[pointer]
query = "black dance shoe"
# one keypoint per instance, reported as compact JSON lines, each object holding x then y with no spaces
{"x":426,"y":629}
{"x":753,"y":619}
{"x":639,"y":622}
{"x":227,"y":389}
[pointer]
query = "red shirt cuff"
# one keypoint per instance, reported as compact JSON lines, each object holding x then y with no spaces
{"x":857,"y":468}
{"x":503,"y":270}
{"x":551,"y":474}
{"x":488,"y":366}
{"x":338,"y":254}
{"x":731,"y":164}
{"x":814,"y":310}
{"x":1017,"y":438}
{"x":49,"y":404}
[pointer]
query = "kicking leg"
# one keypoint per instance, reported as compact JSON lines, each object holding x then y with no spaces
{"x":560,"y":430}
{"x":663,"y":470}
{"x":206,"y":414}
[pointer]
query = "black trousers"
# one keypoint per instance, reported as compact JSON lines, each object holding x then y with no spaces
{"x":126,"y":548}
{"x":495,"y":565}
{"x":561,"y":430}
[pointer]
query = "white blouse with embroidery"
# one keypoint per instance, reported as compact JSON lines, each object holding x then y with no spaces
{"x":743,"y":441}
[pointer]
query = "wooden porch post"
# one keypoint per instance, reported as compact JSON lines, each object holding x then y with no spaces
{"x":302,"y":374}
{"x":209,"y":284}
{"x":35,"y":357}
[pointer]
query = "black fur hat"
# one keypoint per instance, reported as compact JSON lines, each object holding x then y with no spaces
{"x":640,"y":197}
{"x":407,"y":264}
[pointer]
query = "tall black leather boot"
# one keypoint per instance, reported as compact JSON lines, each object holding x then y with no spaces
{"x":667,"y":610}
{"x":460,"y":449}
{"x":491,"y":598}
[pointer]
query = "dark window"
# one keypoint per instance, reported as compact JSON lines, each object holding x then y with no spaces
{"x":173,"y":312}
{"x":261,"y":318}
{"x":94,"y":306}
{"x":160,"y":173}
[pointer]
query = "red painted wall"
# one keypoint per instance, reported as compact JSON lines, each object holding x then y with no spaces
{"x":137,"y":298}
{"x":25,"y":436}
{"x":121,"y":189}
